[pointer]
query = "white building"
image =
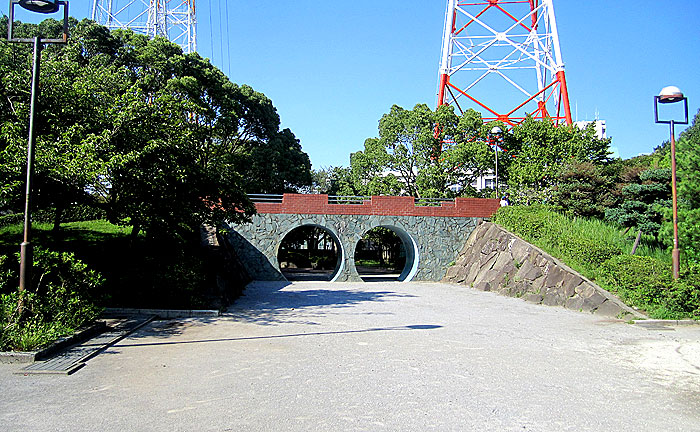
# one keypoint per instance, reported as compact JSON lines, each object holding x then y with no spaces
{"x":600,"y":130}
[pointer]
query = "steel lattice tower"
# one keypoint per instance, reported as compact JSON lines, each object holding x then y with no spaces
{"x":502,"y":57}
{"x":175,"y":20}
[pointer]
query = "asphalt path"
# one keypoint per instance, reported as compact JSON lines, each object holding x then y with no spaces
{"x":313,"y":356}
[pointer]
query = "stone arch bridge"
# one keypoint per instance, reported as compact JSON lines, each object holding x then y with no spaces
{"x":432,"y":231}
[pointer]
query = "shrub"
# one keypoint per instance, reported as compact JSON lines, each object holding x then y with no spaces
{"x":58,"y":301}
{"x":528,"y":222}
{"x":596,"y":249}
{"x":647,"y":283}
{"x":684,"y":299}
{"x":639,"y":280}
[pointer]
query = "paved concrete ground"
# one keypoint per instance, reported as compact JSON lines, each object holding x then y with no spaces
{"x":374,"y":357}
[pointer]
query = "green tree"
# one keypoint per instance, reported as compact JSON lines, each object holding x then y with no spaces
{"x":541,"y":149}
{"x":583,"y":190}
{"x":642,"y":202}
{"x":409,"y":158}
{"x":688,"y":175}
{"x":160,"y":139}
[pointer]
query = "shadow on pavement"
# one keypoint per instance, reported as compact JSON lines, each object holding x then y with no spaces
{"x":268,"y":303}
{"x":378,"y":329}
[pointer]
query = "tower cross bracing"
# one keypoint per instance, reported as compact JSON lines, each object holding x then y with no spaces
{"x":175,"y":20}
{"x":503,"y":59}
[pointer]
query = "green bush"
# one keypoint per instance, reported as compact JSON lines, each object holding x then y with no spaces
{"x":58,"y":301}
{"x":684,"y":298}
{"x":528,"y":222}
{"x":639,"y":280}
{"x":647,"y":283}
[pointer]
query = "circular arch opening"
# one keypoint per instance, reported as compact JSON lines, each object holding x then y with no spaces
{"x":310,"y":253}
{"x":386,"y":253}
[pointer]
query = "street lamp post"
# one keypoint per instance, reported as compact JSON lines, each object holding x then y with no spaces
{"x":496,"y":133}
{"x":42,"y":6}
{"x":672,"y":94}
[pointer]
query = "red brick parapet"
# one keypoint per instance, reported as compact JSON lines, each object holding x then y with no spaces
{"x":381,"y":206}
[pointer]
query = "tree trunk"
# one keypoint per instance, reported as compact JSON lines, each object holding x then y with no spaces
{"x":636,"y":242}
{"x":57,"y":216}
{"x":135,"y":231}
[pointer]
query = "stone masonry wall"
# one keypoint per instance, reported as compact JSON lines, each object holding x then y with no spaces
{"x":436,"y":240}
{"x":494,"y":259}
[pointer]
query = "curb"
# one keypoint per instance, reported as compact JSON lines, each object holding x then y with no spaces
{"x":81,"y":335}
{"x":688,"y":322}
{"x":163,"y":313}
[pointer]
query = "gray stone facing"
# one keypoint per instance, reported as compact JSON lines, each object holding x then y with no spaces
{"x":436,"y":241}
{"x":497,"y":260}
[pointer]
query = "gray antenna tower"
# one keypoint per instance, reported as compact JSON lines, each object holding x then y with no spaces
{"x":175,"y":20}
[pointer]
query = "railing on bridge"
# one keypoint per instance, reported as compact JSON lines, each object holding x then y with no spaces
{"x":348,"y":199}
{"x":375,"y":205}
{"x":332,"y":199}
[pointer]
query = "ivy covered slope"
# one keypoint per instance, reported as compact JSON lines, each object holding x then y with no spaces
{"x":601,"y":252}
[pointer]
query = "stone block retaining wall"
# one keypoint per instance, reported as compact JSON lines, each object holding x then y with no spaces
{"x":494,"y":259}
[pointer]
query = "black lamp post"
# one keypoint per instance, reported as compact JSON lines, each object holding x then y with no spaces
{"x":42,"y":6}
{"x":668,"y":95}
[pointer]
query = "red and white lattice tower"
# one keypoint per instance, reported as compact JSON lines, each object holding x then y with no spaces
{"x":175,"y":20}
{"x":502,"y":58}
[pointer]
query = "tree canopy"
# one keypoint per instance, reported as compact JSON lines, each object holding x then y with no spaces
{"x":158,"y":139}
{"x":436,"y":153}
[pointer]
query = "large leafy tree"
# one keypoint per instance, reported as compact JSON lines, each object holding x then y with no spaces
{"x":410,"y":158}
{"x":161,"y":140}
{"x":541,"y":149}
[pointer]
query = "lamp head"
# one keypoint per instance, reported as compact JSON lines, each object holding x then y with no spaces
{"x":496,"y":130}
{"x":42,"y":6}
{"x":670,"y":94}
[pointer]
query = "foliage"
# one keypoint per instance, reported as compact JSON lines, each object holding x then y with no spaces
{"x":647,"y":283}
{"x":688,"y":158}
{"x":640,"y":208}
{"x":59,"y":300}
{"x":567,"y":238}
{"x":137,"y":272}
{"x":541,"y":149}
{"x":425,"y":153}
{"x":384,"y":246}
{"x":530,"y":195}
{"x":158,"y":139}
{"x":638,"y":280}
{"x":409,"y":158}
{"x":309,"y":246}
{"x":583,"y":190}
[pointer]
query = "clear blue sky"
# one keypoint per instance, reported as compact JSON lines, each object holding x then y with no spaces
{"x":333,"y":68}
